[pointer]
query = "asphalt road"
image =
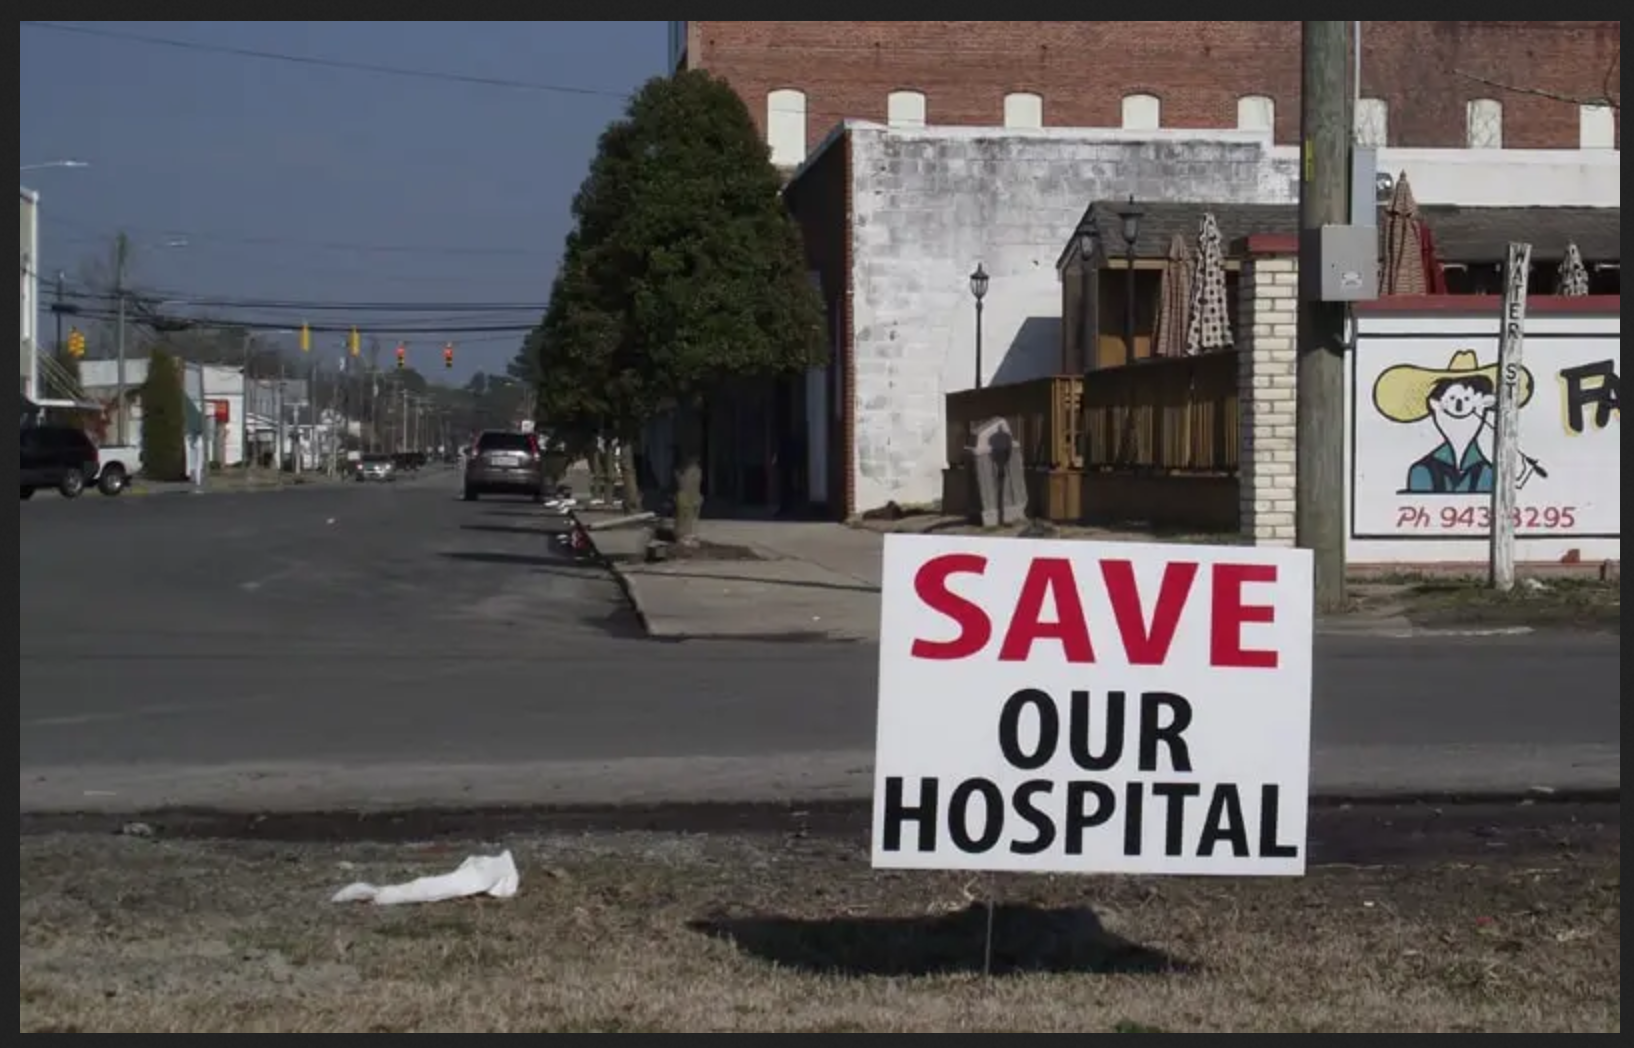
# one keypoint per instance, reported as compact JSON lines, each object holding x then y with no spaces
{"x":360,"y":645}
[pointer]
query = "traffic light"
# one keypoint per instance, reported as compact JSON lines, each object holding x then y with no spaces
{"x":354,"y":343}
{"x":402,"y":356}
{"x":76,"y":343}
{"x":306,"y":339}
{"x":448,"y":355}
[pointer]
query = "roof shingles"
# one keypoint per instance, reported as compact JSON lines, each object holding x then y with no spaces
{"x":1471,"y":235}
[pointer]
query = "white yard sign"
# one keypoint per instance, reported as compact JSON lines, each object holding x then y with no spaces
{"x":1083,"y":707}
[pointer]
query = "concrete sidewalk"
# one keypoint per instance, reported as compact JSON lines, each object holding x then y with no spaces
{"x":822,"y":581}
{"x":811,"y":580}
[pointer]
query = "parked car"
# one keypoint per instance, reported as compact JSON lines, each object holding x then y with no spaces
{"x":375,"y":467}
{"x":60,"y":457}
{"x":505,"y":462}
{"x":119,"y":464}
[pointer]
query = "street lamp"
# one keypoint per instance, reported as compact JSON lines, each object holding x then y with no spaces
{"x":49,"y":164}
{"x":1130,"y":218}
{"x":978,"y":291}
{"x":1088,"y":242}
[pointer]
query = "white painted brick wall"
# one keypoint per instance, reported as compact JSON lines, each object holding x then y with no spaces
{"x":1266,"y":374}
{"x":932,"y":203}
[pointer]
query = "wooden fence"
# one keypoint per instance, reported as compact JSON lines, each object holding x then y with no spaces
{"x":1045,"y":417}
{"x":1166,"y":415}
{"x":1154,"y":442}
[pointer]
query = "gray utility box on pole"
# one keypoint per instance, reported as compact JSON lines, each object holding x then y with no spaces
{"x":1340,"y":263}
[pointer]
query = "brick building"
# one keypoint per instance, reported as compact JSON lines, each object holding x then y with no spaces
{"x":917,"y":149}
{"x":1524,"y":85}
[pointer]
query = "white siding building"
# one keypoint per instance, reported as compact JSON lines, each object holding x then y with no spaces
{"x":929,"y":203}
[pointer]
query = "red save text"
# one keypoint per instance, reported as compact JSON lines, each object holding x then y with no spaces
{"x":1145,"y":634}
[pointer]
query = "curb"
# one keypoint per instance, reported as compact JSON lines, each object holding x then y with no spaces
{"x":1387,"y":629}
{"x":382,"y":822}
{"x":625,"y":584}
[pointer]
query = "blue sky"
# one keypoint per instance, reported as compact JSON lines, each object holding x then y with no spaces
{"x":295,"y":182}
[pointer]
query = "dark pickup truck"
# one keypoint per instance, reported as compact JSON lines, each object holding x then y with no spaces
{"x":60,"y":457}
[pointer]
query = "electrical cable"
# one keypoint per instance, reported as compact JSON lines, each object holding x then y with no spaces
{"x":171,"y":297}
{"x":251,"y":240}
{"x":325,"y":63}
{"x":108,"y":316}
{"x":468,"y":79}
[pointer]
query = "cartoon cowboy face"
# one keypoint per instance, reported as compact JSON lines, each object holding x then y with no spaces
{"x":1458,"y":400}
{"x":1459,"y":407}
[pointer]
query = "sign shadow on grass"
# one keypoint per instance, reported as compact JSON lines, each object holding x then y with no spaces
{"x":1026,"y":939}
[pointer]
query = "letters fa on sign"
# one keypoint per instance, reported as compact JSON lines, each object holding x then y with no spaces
{"x":1083,"y":707}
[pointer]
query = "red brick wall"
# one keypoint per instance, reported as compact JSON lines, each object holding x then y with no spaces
{"x":1198,"y":69}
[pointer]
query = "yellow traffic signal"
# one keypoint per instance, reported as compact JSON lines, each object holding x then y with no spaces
{"x":354,"y":343}
{"x":76,"y":343}
{"x":306,"y":339}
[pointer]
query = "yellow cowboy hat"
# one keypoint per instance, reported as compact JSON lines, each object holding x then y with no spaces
{"x":1402,"y":393}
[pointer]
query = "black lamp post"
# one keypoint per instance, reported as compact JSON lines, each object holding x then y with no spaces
{"x":978,"y":290}
{"x":1130,"y":215}
{"x":1088,"y":243}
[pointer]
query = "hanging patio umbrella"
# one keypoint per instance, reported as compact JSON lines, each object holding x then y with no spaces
{"x":1208,"y":321}
{"x":1574,"y":275}
{"x":1174,"y":299}
{"x":1402,"y":270}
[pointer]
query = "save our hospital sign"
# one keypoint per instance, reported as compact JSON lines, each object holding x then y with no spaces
{"x":1423,"y":419}
{"x":1082,"y":707}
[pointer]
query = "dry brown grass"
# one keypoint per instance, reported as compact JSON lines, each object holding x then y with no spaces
{"x":1575,"y":602}
{"x":664,"y":933}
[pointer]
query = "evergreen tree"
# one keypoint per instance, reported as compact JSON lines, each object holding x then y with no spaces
{"x":164,"y":419}
{"x":684,"y":272}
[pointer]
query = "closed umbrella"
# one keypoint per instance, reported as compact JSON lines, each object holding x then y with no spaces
{"x":1208,"y":324}
{"x":1401,"y":268}
{"x":1574,"y":275}
{"x":1174,"y":299}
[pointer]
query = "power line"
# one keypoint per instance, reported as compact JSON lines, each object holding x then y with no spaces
{"x":179,"y":298}
{"x":404,"y":72}
{"x":316,"y":245}
{"x":208,"y":323}
{"x":371,"y":68}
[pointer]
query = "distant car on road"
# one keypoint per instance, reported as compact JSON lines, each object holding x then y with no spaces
{"x":505,"y":462}
{"x":376,"y":467}
{"x":61,"y":457}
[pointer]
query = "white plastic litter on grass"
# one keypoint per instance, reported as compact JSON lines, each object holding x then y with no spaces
{"x":492,"y":875}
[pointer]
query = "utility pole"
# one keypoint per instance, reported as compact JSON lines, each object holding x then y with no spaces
{"x":1506,"y":456}
{"x":1324,"y":200}
{"x":203,"y":463}
{"x":278,"y":427}
{"x":121,"y":257}
{"x":59,"y":309}
{"x":244,"y":407}
{"x":403,"y":418}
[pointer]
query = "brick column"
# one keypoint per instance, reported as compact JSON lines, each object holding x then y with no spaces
{"x":1266,"y":387}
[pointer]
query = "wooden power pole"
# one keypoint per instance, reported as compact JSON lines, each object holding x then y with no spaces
{"x":1324,"y":200}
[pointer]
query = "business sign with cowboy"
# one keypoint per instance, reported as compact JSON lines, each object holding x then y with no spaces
{"x":1424,"y":416}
